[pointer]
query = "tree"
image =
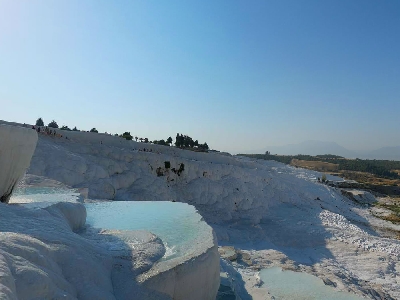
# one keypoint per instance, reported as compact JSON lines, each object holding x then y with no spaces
{"x":188,"y":141}
{"x":39,"y":122}
{"x":127,"y":135}
{"x":203,"y":146}
{"x":161,"y":142}
{"x":179,"y":140}
{"x":94,"y":130}
{"x":185,"y":141}
{"x":323,"y":178}
{"x":53,"y":124}
{"x":64,"y":127}
{"x":169,"y":140}
{"x":191,"y":143}
{"x":75,"y":129}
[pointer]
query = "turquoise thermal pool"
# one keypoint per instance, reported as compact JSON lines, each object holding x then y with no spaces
{"x":288,"y":285}
{"x":178,"y":225}
{"x":40,"y":197}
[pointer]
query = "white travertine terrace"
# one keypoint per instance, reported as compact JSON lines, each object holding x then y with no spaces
{"x":17,"y":145}
{"x":43,"y":257}
{"x":273,"y":214}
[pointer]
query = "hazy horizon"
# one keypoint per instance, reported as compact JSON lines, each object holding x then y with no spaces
{"x":238,"y":76}
{"x":327,"y":141}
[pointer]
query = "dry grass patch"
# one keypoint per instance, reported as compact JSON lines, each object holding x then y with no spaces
{"x":315,"y":165}
{"x":394,"y":218}
{"x":368,"y":178}
{"x":396,"y":171}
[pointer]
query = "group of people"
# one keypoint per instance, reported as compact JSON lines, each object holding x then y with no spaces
{"x":147,"y":150}
{"x":46,"y":130}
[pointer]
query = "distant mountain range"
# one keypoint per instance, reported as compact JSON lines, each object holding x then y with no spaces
{"x":391,"y":153}
{"x":319,"y":147}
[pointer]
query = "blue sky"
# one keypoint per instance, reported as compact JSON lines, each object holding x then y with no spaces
{"x":238,"y":74}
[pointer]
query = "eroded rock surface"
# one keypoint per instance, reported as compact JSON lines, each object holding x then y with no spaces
{"x":17,"y":145}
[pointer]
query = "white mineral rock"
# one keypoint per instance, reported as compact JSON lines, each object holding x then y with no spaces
{"x":17,"y":145}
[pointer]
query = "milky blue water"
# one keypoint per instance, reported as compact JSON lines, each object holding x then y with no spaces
{"x":289,"y":285}
{"x":41,"y":190}
{"x":177,"y":224}
{"x":40,"y":197}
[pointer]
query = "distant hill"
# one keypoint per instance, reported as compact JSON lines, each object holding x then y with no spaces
{"x":390,"y":153}
{"x":312,"y":147}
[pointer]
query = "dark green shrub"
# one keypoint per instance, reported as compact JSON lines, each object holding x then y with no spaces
{"x":323,"y":178}
{"x":39,"y":122}
{"x":53,"y":124}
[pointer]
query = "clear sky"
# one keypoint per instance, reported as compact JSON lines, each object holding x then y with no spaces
{"x":237,"y":74}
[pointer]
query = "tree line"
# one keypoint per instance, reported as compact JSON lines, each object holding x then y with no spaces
{"x":382,"y":168}
{"x":185,"y":141}
{"x":181,"y":141}
{"x":53,"y":124}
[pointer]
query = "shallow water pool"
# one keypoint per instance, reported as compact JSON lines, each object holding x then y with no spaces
{"x":178,"y":225}
{"x":40,"y":197}
{"x":289,"y":285}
